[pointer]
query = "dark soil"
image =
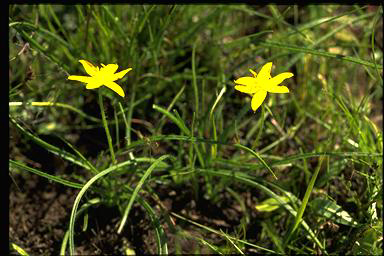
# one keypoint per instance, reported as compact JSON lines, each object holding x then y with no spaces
{"x":40,"y":211}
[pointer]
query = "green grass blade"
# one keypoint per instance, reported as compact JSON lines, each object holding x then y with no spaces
{"x":295,"y":48}
{"x":78,"y":153}
{"x":299,"y":215}
{"x":161,"y":238}
{"x":330,"y":210}
{"x":212,"y":118}
{"x":82,"y":209}
{"x":136,"y":191}
{"x":16,"y":164}
{"x":115,"y":20}
{"x":228,"y":238}
{"x":246,"y":39}
{"x":55,"y":104}
{"x":81,"y":194}
{"x":376,"y":19}
{"x":105,"y":124}
{"x":246,"y":179}
{"x":53,"y":149}
{"x":170,"y":106}
{"x":257,"y":156}
{"x":194,"y":82}
{"x":41,"y":30}
{"x":268,"y":227}
{"x":220,"y":233}
{"x":42,"y":50}
{"x":174,"y":119}
{"x":18,"y":249}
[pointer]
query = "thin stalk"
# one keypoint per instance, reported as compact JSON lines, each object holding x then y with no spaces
{"x":212,"y":118}
{"x":105,"y":124}
{"x":194,"y":82}
{"x":129,"y":118}
{"x":261,"y":128}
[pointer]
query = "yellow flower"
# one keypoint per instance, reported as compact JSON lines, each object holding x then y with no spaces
{"x":101,"y":76}
{"x":258,"y":85}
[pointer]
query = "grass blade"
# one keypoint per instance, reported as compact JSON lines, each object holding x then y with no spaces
{"x":257,"y":156}
{"x":136,"y":191}
{"x":295,"y":48}
{"x":53,"y":149}
{"x":81,"y":194}
{"x":54,"y":178}
{"x":299,"y":215}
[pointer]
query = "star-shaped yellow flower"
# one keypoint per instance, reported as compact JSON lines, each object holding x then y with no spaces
{"x":101,"y":76}
{"x":258,"y":85}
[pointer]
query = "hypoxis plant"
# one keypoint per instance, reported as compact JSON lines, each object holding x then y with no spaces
{"x":106,"y":75}
{"x":258,"y":85}
{"x":101,"y":76}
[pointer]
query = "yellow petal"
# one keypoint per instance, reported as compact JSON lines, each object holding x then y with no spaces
{"x":89,"y":68}
{"x":257,"y":99}
{"x":279,"y":78}
{"x":84,"y":79}
{"x":278,"y":89}
{"x":110,"y":68}
{"x":93,"y":85}
{"x":265,"y":72}
{"x":115,"y":87}
{"x":253,"y":73}
{"x":247,"y":89}
{"x":250,"y":81}
{"x":121,"y":74}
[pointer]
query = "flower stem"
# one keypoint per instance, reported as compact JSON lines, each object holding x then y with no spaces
{"x":105,"y":124}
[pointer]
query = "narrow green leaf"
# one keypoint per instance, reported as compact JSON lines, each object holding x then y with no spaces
{"x":54,"y":178}
{"x":136,"y":191}
{"x":81,"y":194}
{"x":332,"y":211}
{"x":295,"y":48}
{"x":53,"y":149}
{"x":257,"y":156}
{"x":270,"y":204}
